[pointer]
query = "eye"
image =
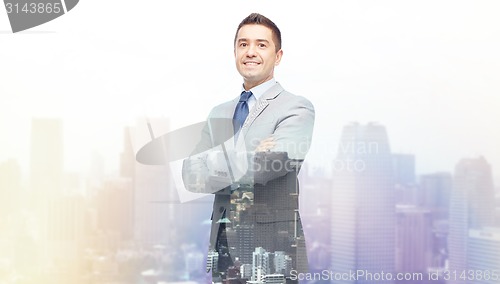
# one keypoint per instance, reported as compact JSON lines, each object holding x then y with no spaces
{"x":262,"y":45}
{"x":243,"y":44}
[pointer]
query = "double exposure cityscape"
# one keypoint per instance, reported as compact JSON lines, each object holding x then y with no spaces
{"x":370,"y":219}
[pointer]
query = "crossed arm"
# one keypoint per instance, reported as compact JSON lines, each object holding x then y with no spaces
{"x":284,"y":146}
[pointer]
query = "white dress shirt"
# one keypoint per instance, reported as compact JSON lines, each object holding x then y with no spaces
{"x":257,"y":92}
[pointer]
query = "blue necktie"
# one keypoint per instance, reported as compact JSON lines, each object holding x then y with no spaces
{"x":241,"y":112}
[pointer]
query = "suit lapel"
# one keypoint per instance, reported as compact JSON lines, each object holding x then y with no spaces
{"x":261,"y":105}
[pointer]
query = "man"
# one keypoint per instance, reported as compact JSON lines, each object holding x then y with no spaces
{"x":256,"y":232}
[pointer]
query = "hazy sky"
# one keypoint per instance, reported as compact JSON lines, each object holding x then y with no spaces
{"x":427,"y":70}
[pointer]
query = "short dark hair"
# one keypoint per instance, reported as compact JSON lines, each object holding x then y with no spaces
{"x":258,"y":19}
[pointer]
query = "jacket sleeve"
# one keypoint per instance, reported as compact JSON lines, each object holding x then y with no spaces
{"x":293,"y":136}
{"x":197,"y":174}
{"x":293,"y":133}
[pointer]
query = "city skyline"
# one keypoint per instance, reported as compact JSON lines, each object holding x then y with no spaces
{"x":109,"y":164}
{"x":146,"y":226}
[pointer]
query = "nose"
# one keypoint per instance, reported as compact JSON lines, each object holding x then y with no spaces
{"x":251,"y":50}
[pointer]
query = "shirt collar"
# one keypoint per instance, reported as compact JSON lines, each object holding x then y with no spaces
{"x":259,"y":90}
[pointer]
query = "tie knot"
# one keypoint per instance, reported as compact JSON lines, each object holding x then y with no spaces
{"x":245,"y":96}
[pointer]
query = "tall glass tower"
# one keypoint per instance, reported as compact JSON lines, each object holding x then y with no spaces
{"x":471,"y":207}
{"x":363,"y":204}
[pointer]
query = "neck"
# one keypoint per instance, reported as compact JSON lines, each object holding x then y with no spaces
{"x":247,"y":85}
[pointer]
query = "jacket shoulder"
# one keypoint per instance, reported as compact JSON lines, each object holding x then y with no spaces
{"x":290,"y":99}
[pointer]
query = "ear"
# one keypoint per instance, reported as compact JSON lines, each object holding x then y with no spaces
{"x":279,"y":54}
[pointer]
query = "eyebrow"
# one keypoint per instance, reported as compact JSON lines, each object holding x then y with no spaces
{"x":259,"y":40}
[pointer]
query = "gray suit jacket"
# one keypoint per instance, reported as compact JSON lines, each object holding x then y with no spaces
{"x":267,"y":209}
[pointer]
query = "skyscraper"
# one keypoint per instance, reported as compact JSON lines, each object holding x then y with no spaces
{"x":404,"y":168}
{"x":435,"y":190}
{"x":413,"y":239}
{"x":316,"y":213}
{"x":46,"y":191}
{"x":260,"y":264}
{"x":363,"y":202}
{"x":212,"y":259}
{"x":471,"y":207}
{"x":434,"y":195}
{"x":63,"y":234}
{"x":483,"y":257}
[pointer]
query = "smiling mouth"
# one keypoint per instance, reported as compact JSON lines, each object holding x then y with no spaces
{"x":251,"y":63}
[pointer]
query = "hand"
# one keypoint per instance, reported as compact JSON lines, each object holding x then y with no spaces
{"x":216,"y":162}
{"x":266,"y":145}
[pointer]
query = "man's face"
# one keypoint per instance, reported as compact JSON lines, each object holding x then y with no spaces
{"x":255,"y":54}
